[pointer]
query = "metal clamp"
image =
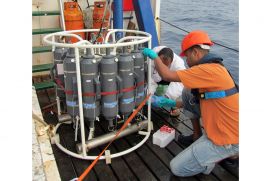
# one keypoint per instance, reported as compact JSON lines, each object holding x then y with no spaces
{"x":107,"y":157}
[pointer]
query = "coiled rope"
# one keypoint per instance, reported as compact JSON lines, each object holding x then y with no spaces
{"x":189,"y":32}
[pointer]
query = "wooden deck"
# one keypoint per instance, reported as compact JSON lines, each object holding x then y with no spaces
{"x":149,"y":162}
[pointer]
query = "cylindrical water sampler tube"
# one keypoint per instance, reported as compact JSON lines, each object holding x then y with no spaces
{"x":139,"y":74}
{"x":109,"y":87}
{"x":71,"y":83}
{"x":91,"y":87}
{"x":126,"y":73}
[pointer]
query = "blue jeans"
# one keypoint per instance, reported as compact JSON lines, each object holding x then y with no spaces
{"x":203,"y":154}
{"x":201,"y":157}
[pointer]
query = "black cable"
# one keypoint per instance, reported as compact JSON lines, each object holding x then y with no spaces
{"x":189,"y":32}
{"x":78,"y":5}
{"x":101,"y":27}
{"x":88,"y":4}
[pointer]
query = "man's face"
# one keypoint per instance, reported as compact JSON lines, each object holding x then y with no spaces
{"x":167,"y":61}
{"x":192,"y":57}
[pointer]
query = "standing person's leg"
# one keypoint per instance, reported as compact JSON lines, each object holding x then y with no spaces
{"x":191,"y":110}
{"x":201,"y":157}
{"x":196,"y":128}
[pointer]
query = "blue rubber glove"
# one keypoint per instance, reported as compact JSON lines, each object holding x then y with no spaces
{"x":161,"y":101}
{"x":150,"y":53}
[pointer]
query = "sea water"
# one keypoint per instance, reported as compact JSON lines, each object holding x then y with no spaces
{"x":219,"y":18}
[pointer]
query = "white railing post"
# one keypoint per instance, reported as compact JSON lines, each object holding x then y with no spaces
{"x":149,"y":86}
{"x":80,"y":101}
{"x":62,"y":15}
{"x":156,"y":19}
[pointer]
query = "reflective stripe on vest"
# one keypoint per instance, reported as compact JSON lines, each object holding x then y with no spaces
{"x":218,"y":94}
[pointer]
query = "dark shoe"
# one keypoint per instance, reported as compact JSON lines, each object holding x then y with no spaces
{"x":185,"y":140}
{"x":230,"y":162}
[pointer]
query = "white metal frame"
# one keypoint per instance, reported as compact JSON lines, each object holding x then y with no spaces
{"x":142,"y":37}
{"x":62,"y":18}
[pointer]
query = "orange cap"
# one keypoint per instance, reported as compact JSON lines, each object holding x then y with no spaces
{"x":195,"y":38}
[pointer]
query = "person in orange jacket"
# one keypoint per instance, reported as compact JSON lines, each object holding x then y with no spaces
{"x":212,"y":95}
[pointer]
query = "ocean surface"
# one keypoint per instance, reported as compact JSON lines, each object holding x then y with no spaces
{"x":219,"y":18}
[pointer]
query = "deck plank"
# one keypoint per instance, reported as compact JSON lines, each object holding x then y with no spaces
{"x":154,"y":164}
{"x":64,"y":164}
{"x":118,"y":165}
{"x":133,"y":160}
{"x":163,"y":155}
{"x":80,"y":165}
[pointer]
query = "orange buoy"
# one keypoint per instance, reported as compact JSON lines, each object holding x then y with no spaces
{"x":73,"y":19}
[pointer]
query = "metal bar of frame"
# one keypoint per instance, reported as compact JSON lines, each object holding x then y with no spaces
{"x":70,"y":33}
{"x":149,"y":86}
{"x":62,"y":15}
{"x":79,"y":88}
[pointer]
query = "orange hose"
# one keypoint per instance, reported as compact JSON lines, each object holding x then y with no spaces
{"x":84,"y":174}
